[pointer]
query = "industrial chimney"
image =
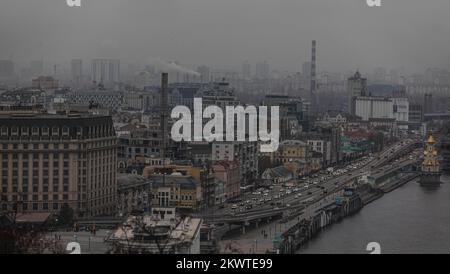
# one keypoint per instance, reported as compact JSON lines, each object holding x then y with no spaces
{"x":313,"y":83}
{"x":164,"y":111}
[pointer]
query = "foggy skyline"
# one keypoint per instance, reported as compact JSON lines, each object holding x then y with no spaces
{"x":413,"y":34}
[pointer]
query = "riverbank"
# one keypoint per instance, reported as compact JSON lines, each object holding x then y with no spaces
{"x":302,"y":232}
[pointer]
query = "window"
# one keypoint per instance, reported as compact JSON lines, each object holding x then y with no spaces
{"x":55,"y":131}
{"x":45,"y":131}
{"x":35,"y":131}
{"x":24,"y":131}
{"x":65,"y":131}
{"x":14,"y":131}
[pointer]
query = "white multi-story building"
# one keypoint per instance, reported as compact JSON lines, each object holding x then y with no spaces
{"x":380,"y":107}
{"x":105,"y":70}
{"x":374,"y":107}
{"x":401,"y":109}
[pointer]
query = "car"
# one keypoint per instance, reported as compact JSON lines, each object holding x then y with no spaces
{"x":288,"y":205}
{"x":276,"y":197}
{"x":298,"y":195}
{"x":309,"y":192}
{"x":233,"y":207}
{"x":306,"y":186}
{"x":288,"y":192}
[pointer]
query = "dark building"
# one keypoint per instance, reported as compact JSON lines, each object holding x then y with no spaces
{"x":415,"y":113}
{"x":48,"y":160}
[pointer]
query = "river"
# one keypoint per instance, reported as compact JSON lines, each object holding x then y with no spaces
{"x":410,"y":219}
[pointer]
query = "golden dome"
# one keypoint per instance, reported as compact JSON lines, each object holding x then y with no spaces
{"x":430,"y":139}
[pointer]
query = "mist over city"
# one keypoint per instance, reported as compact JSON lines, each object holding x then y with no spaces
{"x":224,"y":127}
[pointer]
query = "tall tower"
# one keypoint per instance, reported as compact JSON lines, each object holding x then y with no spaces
{"x":164,"y":113}
{"x":431,"y":169}
{"x":313,"y":83}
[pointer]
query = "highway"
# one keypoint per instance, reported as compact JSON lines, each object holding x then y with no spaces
{"x":254,"y":241}
{"x":323,"y":186}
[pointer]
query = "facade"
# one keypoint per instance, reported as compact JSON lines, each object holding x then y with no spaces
{"x":218,"y":94}
{"x":381,"y":107}
{"x":112,"y":100}
{"x":133,"y":194}
{"x":244,"y":153}
{"x":205,"y":74}
{"x":178,"y":191}
{"x":105,"y":71}
{"x":76,"y":70}
{"x":374,"y":107}
{"x":401,"y":109}
{"x":49,"y":160}
{"x":229,"y":174}
{"x":141,"y":100}
{"x":356,"y":87}
{"x":415,"y":113}
{"x":290,"y":151}
{"x":44,"y":82}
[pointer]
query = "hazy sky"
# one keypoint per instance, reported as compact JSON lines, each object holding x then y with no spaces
{"x":414,"y":34}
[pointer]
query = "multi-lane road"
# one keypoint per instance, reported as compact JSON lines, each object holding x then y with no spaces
{"x":308,"y":190}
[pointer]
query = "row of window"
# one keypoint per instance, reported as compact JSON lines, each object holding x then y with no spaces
{"x":25,"y":131}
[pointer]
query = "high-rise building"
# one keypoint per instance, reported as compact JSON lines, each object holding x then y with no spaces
{"x":262,"y":70}
{"x":205,"y":74}
{"x":428,"y":103}
{"x":105,"y":70}
{"x":6,"y":68}
{"x":76,"y":70}
{"x":49,"y":160}
{"x":246,"y":70}
{"x":356,"y":86}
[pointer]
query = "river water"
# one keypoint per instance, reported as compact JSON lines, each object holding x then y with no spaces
{"x":410,"y":219}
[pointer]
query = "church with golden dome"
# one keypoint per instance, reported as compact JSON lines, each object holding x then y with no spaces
{"x":431,"y":168}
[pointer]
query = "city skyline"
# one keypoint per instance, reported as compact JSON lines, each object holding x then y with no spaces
{"x":197,"y":32}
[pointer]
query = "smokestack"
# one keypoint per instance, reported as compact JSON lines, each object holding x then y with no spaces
{"x":164,"y":88}
{"x":313,"y":77}
{"x":164,"y":106}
